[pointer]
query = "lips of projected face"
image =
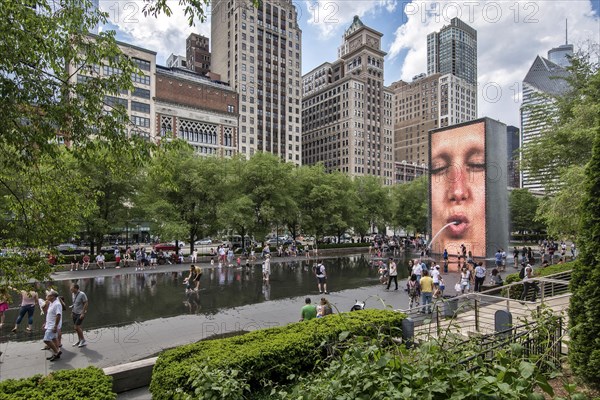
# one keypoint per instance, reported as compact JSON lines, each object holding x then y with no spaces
{"x":460,"y":225}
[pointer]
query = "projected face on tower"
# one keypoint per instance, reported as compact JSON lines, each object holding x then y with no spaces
{"x":457,"y":173}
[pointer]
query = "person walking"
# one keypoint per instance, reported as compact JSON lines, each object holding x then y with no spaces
{"x":309,"y":311}
{"x":321,"y":275}
{"x":479,"y":276}
{"x":78,"y":312}
{"x":393,"y":274}
{"x":465,"y":279}
{"x":53,"y":325}
{"x":266,"y":268}
{"x":414,"y":291}
{"x":426,"y":292}
{"x":29,"y":299}
{"x":4,"y":301}
{"x":528,"y":283}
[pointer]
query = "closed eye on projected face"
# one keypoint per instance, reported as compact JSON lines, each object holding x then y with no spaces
{"x":451,"y":165}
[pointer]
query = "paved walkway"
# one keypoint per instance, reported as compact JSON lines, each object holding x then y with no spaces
{"x":117,"y":345}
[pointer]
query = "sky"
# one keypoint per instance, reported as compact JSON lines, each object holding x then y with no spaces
{"x":510,"y":35}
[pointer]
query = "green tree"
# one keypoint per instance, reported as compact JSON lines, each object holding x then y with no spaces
{"x":182,"y":192}
{"x":114,"y":180}
{"x":264,"y":179}
{"x":343,"y":204}
{"x":373,"y":207}
{"x":584,"y":349}
{"x":42,"y":102}
{"x":42,"y":204}
{"x":523,"y":207}
{"x":409,"y":205}
{"x":558,"y":155}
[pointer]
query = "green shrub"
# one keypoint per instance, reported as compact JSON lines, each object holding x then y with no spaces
{"x":370,"y":370}
{"x":270,"y":354}
{"x":516,"y":290}
{"x":584,"y":324}
{"x":84,"y":383}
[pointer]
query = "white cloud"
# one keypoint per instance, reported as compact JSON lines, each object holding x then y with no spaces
{"x":164,"y":34}
{"x":333,"y":17}
{"x":510,"y":35}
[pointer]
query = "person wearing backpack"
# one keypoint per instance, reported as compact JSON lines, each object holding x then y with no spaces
{"x":414,"y":291}
{"x":321,"y":275}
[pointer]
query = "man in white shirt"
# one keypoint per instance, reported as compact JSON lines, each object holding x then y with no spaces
{"x":53,"y":325}
{"x":417,"y":270}
{"x":435,"y":275}
{"x":100,"y":261}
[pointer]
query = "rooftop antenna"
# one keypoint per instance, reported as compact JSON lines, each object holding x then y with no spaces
{"x":566,"y":33}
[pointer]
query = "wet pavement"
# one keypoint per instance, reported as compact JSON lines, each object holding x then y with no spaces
{"x":142,"y":332}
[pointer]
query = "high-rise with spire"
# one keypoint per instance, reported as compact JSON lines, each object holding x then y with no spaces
{"x":347,"y":111}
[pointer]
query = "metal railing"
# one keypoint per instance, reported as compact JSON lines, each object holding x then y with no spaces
{"x":475,"y":313}
{"x":540,"y":340}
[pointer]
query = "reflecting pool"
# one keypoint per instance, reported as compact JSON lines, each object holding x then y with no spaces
{"x":146,"y":295}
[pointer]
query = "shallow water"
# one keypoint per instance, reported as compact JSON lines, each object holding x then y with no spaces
{"x":141,"y":296}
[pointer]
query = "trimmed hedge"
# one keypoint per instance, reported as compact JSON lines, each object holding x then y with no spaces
{"x":271,"y":354}
{"x":515,"y":291}
{"x":83,"y":383}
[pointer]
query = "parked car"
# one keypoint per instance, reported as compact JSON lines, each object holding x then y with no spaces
{"x":66,"y":247}
{"x":203,"y":242}
{"x":181,"y":244}
{"x":165,"y":247}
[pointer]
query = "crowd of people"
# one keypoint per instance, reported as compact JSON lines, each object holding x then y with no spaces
{"x":53,"y":307}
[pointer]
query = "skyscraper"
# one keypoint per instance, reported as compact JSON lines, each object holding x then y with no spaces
{"x":544,"y":77}
{"x":257,"y":50}
{"x":347,"y":111}
{"x":446,"y":96}
{"x":453,"y":50}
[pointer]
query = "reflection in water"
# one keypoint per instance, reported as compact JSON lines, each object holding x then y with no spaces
{"x":141,"y":296}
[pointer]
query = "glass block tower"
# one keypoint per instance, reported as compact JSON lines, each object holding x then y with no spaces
{"x":453,"y":50}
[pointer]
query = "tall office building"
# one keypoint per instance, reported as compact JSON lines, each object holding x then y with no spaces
{"x":453,"y":50}
{"x":446,"y":96}
{"x":197,"y":54}
{"x":428,"y":102}
{"x":138,"y":102}
{"x":544,"y":77}
{"x":512,"y":155}
{"x":257,"y":50}
{"x":347,"y":111}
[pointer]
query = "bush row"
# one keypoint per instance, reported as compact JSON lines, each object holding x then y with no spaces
{"x":515,"y":291}
{"x":84,"y":383}
{"x":272,"y":354}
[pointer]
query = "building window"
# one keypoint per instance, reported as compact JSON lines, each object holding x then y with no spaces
{"x":140,"y":107}
{"x":142,"y":64}
{"x":143,"y":93}
{"x":115,"y":101}
{"x":230,"y":108}
{"x":140,"y":121}
{"x":143,"y":79}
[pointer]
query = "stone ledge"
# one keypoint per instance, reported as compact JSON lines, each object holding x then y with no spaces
{"x":131,"y":375}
